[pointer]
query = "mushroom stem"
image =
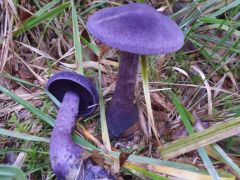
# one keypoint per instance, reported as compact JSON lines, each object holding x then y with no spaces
{"x":64,"y":153}
{"x":122,"y":112}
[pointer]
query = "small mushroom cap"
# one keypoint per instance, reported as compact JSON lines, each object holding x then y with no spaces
{"x":65,"y":81}
{"x":136,"y":28}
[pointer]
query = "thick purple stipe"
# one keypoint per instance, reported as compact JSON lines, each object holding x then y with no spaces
{"x":77,"y":95}
{"x":122,"y":112}
{"x":65,"y":155}
{"x":135,"y":28}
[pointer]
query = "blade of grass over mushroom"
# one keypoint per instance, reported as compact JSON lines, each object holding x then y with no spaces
{"x":104,"y":127}
{"x":23,"y":136}
{"x":53,"y":98}
{"x":76,"y":40}
{"x":199,"y":139}
{"x":187,"y":123}
{"x":35,"y":20}
{"x":11,"y":172}
{"x":147,"y":96}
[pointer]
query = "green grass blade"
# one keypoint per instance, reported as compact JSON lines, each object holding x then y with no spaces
{"x":46,"y":8}
{"x":208,"y":163}
{"x":35,"y":20}
{"x":28,"y":150}
{"x":76,"y":40}
{"x":220,"y":152}
{"x":11,"y":172}
{"x":19,"y":80}
{"x":94,"y":48}
{"x":23,"y":136}
{"x":92,"y":7}
{"x":53,"y":98}
{"x":225,"y":8}
{"x":199,"y":139}
{"x":136,"y":170}
{"x":43,"y":116}
{"x":104,"y":127}
{"x":147,"y":96}
{"x":182,"y":112}
{"x":175,"y":169}
{"x":185,"y":118}
{"x":28,"y":106}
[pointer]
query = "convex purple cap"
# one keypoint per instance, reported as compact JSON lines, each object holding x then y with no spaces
{"x":66,"y":81}
{"x":136,"y":28}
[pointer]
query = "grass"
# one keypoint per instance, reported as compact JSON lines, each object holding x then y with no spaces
{"x":200,"y":136}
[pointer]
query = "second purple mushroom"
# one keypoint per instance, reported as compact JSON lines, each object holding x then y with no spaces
{"x":77,"y":96}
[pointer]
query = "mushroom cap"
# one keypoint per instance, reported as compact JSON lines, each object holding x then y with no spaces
{"x":65,"y":81}
{"x":136,"y":28}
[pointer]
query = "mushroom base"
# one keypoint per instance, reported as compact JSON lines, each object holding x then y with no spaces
{"x":121,"y":120}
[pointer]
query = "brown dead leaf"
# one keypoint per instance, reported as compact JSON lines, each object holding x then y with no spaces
{"x":103,"y":51}
{"x":143,"y":124}
{"x":20,"y":91}
{"x":160,"y":102}
{"x":160,"y":63}
{"x":109,"y":62}
{"x":4,"y":82}
{"x":24,"y":72}
{"x":25,"y":10}
{"x":106,"y":161}
{"x":226,"y":84}
{"x":106,"y":81}
{"x":97,"y":158}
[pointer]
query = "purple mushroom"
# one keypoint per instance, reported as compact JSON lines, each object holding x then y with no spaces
{"x":134,"y":29}
{"x":77,"y":96}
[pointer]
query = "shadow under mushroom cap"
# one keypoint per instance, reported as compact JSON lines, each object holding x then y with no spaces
{"x":136,"y":28}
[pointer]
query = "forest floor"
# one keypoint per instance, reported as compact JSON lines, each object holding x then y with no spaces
{"x":194,"y":92}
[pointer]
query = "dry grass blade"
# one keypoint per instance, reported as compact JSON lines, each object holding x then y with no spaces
{"x":147,"y":97}
{"x":19,"y":135}
{"x":105,"y":134}
{"x":210,"y":106}
{"x":6,"y":36}
{"x":208,"y":136}
{"x":37,"y":51}
{"x":76,"y":39}
{"x":174,"y":169}
{"x":197,"y":86}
